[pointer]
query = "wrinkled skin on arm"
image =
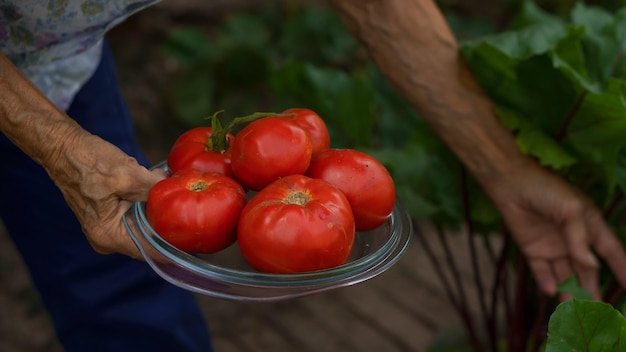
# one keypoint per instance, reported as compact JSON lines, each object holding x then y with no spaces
{"x":556,"y":226}
{"x":97,"y":179}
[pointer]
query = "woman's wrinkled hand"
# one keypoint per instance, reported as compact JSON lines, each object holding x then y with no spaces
{"x":558,"y":229}
{"x":100,"y":182}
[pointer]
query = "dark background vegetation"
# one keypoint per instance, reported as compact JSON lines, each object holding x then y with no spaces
{"x":182,"y":60}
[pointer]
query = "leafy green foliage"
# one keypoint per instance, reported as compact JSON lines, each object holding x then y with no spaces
{"x":571,"y":287}
{"x":559,"y":86}
{"x":345,"y":101}
{"x":262,"y":60}
{"x":583,"y":325}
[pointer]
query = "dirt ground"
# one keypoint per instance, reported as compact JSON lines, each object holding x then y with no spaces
{"x":392,"y":313}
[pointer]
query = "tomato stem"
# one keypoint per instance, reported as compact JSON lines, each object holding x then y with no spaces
{"x":219,"y":141}
{"x":298,"y":198}
{"x":249,"y":118}
{"x":198,"y":186}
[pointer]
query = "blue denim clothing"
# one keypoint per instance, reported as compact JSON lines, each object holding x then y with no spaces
{"x":96,"y":302}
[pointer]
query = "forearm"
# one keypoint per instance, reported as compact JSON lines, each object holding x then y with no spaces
{"x":416,"y":51}
{"x":97,"y":179}
{"x":32,"y":122}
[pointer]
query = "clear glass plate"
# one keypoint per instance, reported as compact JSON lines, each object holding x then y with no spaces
{"x":227,"y":275}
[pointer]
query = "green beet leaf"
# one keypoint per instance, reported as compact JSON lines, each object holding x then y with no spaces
{"x":596,"y":133}
{"x":584,"y":325}
{"x":572,"y":287}
{"x":344,"y":101}
{"x":529,"y":14}
{"x":534,"y":141}
{"x":559,"y":86}
{"x":603,"y":40}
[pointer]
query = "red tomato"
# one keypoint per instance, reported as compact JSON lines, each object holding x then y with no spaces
{"x":364,"y":180}
{"x":296,"y":224}
{"x":193,"y":150}
{"x":312,"y":123}
{"x":267,"y":149}
{"x":196,"y":212}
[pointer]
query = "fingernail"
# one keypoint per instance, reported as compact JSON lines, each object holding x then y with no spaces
{"x":591,"y":260}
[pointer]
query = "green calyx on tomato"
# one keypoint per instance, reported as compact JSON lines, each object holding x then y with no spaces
{"x":191,"y":150}
{"x":219,"y":141}
{"x":207,"y":148}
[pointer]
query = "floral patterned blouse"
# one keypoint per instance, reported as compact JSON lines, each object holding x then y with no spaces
{"x":57,"y":43}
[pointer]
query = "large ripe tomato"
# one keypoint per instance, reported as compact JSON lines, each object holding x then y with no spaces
{"x":312,"y":123}
{"x":296,"y":224}
{"x":364,"y":180}
{"x":196,"y":212}
{"x":267,"y":149}
{"x":194,"y":149}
